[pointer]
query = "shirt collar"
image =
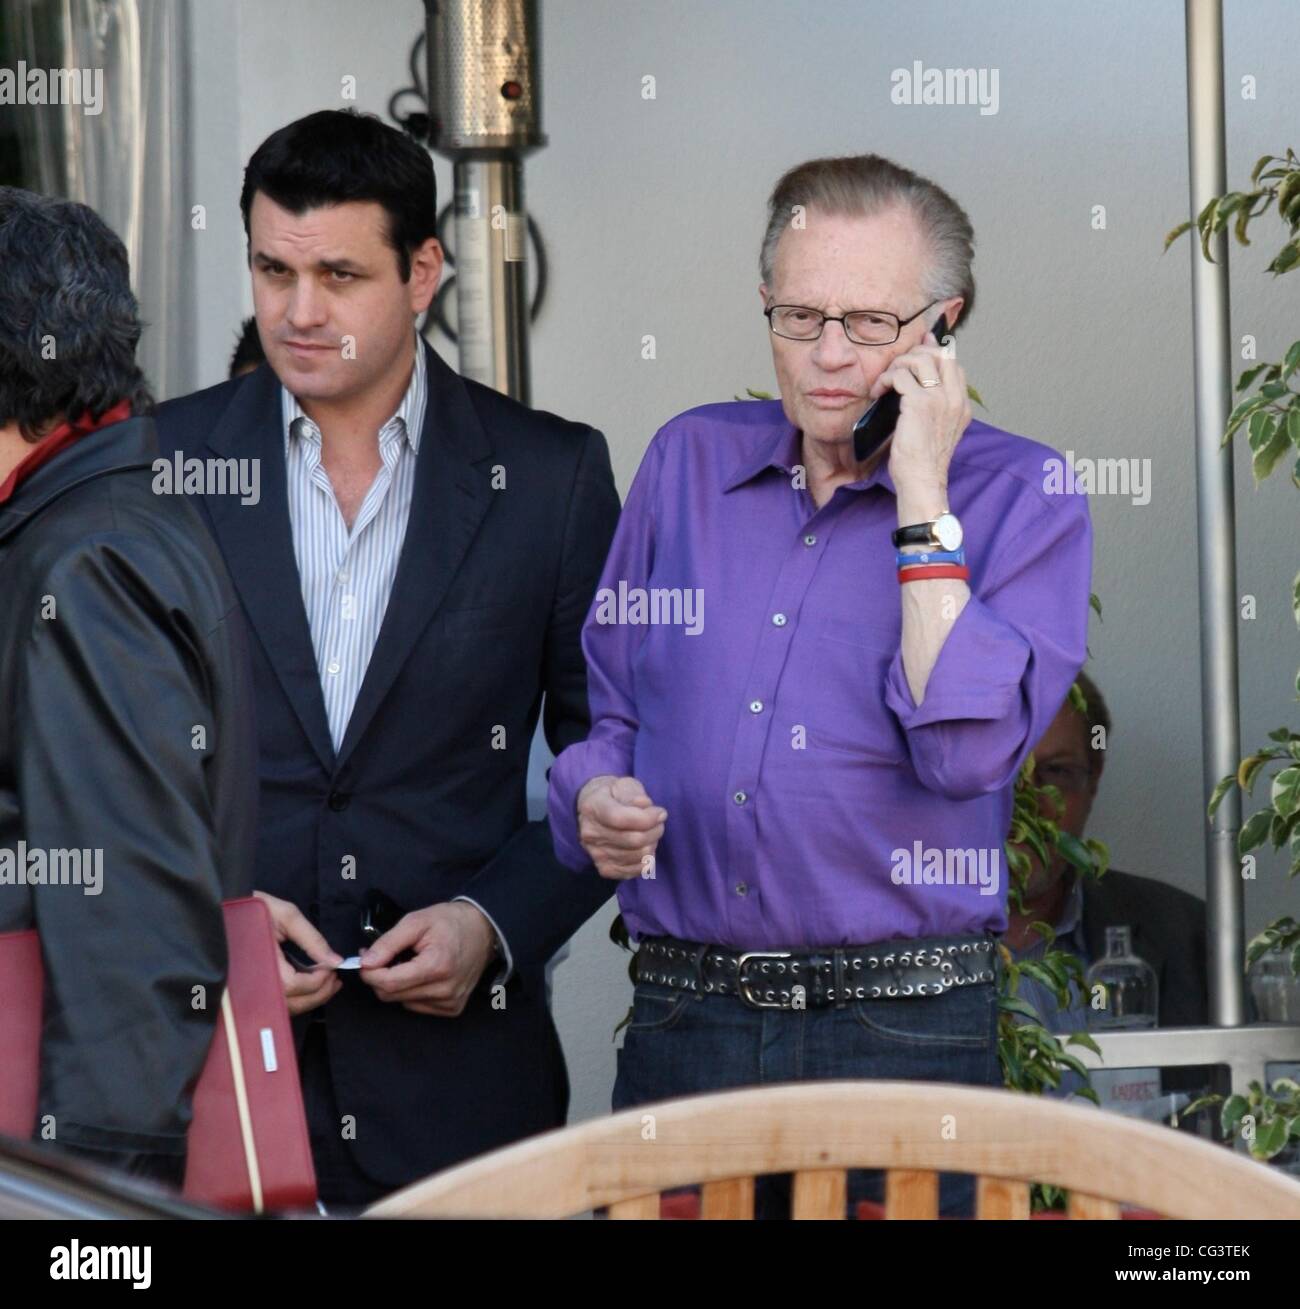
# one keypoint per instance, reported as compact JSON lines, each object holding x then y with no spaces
{"x":781,"y":447}
{"x":403,"y":416}
{"x":1068,"y":928}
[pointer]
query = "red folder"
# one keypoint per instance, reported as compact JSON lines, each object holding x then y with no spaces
{"x":248,"y":1145}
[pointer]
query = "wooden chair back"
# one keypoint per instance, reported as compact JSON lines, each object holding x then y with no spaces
{"x":818,"y":1130}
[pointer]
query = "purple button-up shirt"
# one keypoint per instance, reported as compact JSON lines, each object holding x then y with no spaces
{"x":744,"y":663}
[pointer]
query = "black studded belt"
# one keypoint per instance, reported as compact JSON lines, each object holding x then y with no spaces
{"x":814,"y":979}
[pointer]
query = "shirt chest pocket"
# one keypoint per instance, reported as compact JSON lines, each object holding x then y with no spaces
{"x":847,"y":713}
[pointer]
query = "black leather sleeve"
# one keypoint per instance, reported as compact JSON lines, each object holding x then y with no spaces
{"x":535,"y":901}
{"x":115,"y":736}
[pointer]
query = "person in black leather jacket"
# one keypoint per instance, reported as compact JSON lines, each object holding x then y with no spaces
{"x":127,"y":753}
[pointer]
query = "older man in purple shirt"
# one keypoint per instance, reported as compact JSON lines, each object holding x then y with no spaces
{"x":806,"y":727}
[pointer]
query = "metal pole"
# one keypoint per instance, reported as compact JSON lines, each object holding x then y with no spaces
{"x":1216,"y":539}
{"x":491,"y":281}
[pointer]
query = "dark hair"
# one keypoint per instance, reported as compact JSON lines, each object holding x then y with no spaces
{"x":66,"y":284}
{"x":339,"y":155}
{"x":1097,"y":716}
{"x":248,"y":349}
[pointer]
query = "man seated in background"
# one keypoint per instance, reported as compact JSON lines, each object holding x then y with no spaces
{"x":1167,"y":925}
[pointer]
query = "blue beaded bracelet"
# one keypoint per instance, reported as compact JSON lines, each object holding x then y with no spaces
{"x":932,"y":557}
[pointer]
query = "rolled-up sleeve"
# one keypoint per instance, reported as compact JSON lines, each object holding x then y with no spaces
{"x":1008,"y":661}
{"x":610,"y":649}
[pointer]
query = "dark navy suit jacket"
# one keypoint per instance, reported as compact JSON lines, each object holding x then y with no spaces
{"x":481,"y":631}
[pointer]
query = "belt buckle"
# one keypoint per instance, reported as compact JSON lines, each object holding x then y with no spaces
{"x":742,"y":985}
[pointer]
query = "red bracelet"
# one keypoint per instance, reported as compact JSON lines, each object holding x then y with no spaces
{"x":924,"y":572}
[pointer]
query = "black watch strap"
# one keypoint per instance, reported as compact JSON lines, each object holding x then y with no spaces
{"x":915,"y":534}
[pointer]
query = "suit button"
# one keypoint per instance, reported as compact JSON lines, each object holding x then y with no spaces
{"x":338,"y":801}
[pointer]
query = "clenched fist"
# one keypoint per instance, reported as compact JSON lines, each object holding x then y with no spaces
{"x":619,"y":826}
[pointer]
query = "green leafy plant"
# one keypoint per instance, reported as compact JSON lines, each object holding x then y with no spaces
{"x":1033,"y":1059}
{"x":1267,"y":1121}
{"x":1271,"y":418}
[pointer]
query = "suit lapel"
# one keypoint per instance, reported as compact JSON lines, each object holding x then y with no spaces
{"x":258,"y":546}
{"x":448,"y":502}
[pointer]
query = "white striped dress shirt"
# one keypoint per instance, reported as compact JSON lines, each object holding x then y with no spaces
{"x":347,"y":576}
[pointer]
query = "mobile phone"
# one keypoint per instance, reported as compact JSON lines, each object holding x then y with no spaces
{"x":876,"y":426}
{"x":381,"y":914}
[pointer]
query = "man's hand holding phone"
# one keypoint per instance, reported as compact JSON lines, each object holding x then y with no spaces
{"x":934,"y":411}
{"x":877,"y":425}
{"x":922,"y":398}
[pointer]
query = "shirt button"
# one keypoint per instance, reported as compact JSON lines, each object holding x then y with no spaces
{"x":810,"y":539}
{"x":778,"y":620}
{"x":755,"y":706}
{"x":344,"y":576}
{"x":740,"y":797}
{"x":741,"y":889}
{"x":332,"y":667}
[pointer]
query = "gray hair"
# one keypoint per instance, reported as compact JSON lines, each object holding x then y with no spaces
{"x":860,"y":186}
{"x":64,"y":278}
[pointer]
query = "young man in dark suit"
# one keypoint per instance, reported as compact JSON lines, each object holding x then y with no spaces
{"x":416,"y":567}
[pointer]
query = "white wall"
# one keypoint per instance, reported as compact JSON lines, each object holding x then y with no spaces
{"x":652,"y":212}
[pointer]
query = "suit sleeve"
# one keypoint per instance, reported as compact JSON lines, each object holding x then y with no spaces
{"x":1184,"y":998}
{"x":534,"y":902}
{"x":114,"y":735}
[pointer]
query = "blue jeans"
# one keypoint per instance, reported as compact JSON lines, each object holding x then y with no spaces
{"x":686,"y":1044}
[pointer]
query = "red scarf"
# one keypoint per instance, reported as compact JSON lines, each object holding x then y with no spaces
{"x":59,"y":439}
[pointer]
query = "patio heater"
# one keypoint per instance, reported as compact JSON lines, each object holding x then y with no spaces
{"x":485,"y":115}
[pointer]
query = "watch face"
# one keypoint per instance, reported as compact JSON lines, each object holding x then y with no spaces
{"x":948,"y":530}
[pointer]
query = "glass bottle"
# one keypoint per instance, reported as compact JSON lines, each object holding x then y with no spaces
{"x":1130,"y":994}
{"x":1129,"y":1003}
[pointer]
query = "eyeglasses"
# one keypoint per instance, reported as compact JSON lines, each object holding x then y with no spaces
{"x":1065,"y":777}
{"x":861,"y":326}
